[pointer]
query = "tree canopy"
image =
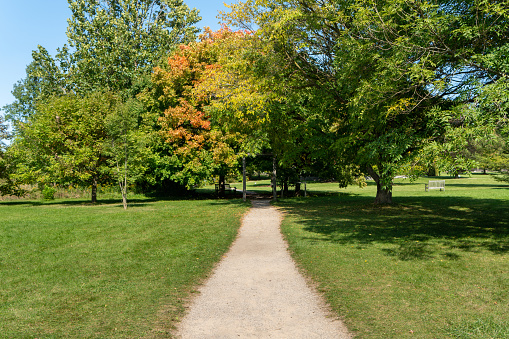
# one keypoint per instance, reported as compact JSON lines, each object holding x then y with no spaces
{"x":115,"y":42}
{"x":339,"y":88}
{"x":392,"y":70}
{"x":64,"y":108}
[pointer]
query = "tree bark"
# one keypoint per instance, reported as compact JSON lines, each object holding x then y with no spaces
{"x":244,"y":179}
{"x":94,"y":190}
{"x":274,"y":179}
{"x":123,"y":190}
{"x":297,"y":189}
{"x":222,"y":182}
{"x":383,"y":195}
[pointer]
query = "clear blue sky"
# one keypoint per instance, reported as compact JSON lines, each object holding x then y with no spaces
{"x":24,"y":24}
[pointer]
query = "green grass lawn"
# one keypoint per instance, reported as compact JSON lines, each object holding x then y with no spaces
{"x":433,"y":265}
{"x":73,"y":270}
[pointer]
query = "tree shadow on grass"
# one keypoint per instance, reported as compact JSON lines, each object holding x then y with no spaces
{"x":416,"y":227}
{"x":78,"y":202}
{"x":132,"y":202}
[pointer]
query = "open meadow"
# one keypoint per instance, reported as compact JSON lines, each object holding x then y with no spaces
{"x":70,"y":269}
{"x":433,"y":265}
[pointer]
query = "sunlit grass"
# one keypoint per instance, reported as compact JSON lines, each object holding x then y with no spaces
{"x":70,"y":269}
{"x":434,"y":265}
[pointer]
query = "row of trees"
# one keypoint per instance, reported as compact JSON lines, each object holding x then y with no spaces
{"x":76,"y":118}
{"x":333,"y":88}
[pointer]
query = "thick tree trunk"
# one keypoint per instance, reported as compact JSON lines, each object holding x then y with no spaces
{"x":383,"y":195}
{"x":297,"y":189}
{"x":94,"y":190}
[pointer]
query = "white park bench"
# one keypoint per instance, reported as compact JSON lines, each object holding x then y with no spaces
{"x":434,"y":185}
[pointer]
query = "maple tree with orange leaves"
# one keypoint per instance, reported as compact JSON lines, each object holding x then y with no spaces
{"x":203,"y":145}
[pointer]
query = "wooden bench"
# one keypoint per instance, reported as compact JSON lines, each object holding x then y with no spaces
{"x":227,"y":188}
{"x":434,"y":185}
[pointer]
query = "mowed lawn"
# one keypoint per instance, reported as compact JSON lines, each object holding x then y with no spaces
{"x":433,"y":265}
{"x":69,"y":269}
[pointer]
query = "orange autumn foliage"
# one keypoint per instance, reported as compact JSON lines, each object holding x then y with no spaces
{"x":185,"y":122}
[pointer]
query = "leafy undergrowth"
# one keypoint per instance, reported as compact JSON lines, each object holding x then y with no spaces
{"x":74,"y":270}
{"x":433,"y":265}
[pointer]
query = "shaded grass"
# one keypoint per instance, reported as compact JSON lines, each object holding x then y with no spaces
{"x":74,"y":270}
{"x":434,"y":265}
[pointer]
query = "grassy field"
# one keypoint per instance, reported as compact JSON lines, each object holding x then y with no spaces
{"x":73,"y":270}
{"x":433,"y":265}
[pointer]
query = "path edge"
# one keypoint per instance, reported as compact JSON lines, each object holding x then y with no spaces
{"x":313,"y":285}
{"x":194,"y":291}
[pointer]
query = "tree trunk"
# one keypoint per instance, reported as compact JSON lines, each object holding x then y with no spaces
{"x":274,"y":179}
{"x":244,"y":179}
{"x":285,"y":188}
{"x":123,"y":190}
{"x":94,"y":190}
{"x":383,"y":195}
{"x":124,"y":200}
{"x":297,"y":189}
{"x":433,"y":171}
{"x":222,"y":182}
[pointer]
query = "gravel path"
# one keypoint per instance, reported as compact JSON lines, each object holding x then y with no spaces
{"x":257,"y":292}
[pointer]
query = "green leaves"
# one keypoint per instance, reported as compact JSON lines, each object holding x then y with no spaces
{"x":69,"y":125}
{"x":380,"y":68}
{"x":46,"y":76}
{"x":63,"y":142}
{"x":115,"y":41}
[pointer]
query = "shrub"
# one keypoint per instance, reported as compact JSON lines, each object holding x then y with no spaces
{"x":48,"y":192}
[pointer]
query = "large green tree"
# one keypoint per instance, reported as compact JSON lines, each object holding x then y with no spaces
{"x":115,"y":42}
{"x":253,"y":94}
{"x":384,"y":67}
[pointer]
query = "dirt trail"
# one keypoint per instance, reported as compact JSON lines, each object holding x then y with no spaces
{"x":257,"y":292}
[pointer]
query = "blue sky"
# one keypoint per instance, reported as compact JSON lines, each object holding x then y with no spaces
{"x":24,"y":24}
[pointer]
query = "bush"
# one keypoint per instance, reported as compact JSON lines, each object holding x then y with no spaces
{"x":48,"y":192}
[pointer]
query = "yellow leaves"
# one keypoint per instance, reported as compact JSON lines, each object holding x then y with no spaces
{"x":403,"y":105}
